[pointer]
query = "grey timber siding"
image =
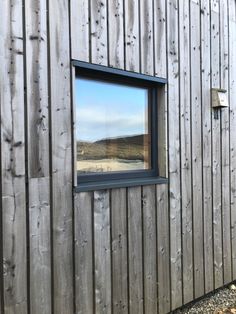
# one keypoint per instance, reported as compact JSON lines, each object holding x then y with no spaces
{"x":143,"y":249}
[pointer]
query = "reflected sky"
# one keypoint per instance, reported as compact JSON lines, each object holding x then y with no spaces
{"x":106,"y":110}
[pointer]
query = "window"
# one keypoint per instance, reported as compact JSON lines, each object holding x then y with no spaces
{"x":113,"y":132}
{"x":116,"y":126}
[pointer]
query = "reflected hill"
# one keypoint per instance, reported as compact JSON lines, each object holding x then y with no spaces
{"x":126,"y":147}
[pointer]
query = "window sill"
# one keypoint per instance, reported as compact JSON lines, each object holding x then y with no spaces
{"x":122,"y":183}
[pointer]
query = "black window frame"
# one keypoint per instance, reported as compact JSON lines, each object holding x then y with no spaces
{"x":123,"y":178}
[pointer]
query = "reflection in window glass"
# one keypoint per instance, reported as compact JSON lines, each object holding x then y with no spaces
{"x":112,"y":130}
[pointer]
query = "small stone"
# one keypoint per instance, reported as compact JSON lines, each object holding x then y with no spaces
{"x":232,"y":287}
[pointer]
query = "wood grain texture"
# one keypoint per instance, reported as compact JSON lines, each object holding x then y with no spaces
{"x":160,"y":38}
{"x":174,"y":157}
{"x":119,"y":251}
{"x":83,"y":225}
{"x":149,"y":249}
{"x":80,"y":37}
{"x":196,"y":150}
{"x":61,"y":129}
{"x":216,"y":149}
{"x":37,"y":88}
{"x":185,"y":137}
{"x":135,"y":251}
{"x":102,"y":252}
{"x":225,"y":162}
{"x":13,"y":206}
{"x":98,"y":29}
{"x":146,"y":37}
{"x":40,"y":246}
{"x":74,"y":127}
{"x":38,"y":157}
{"x":140,"y":249}
{"x":163,"y":249}
{"x":232,"y":97}
{"x":162,"y":130}
{"x":206,"y":144}
{"x":116,"y":33}
{"x":160,"y":69}
{"x":1,"y":269}
{"x":132,"y":45}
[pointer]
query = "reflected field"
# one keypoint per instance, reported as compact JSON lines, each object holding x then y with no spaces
{"x":117,"y":154}
{"x":106,"y":165}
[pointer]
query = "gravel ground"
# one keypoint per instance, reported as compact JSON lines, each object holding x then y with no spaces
{"x":222,"y":301}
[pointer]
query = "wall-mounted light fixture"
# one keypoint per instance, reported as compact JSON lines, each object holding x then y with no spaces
{"x":219,"y":98}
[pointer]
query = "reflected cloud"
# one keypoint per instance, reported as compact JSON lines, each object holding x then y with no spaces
{"x":105,"y":110}
{"x":92,"y":126}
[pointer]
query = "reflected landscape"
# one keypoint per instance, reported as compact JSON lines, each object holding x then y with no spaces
{"x":111,"y":127}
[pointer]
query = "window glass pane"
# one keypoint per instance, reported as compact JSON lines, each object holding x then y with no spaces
{"x":112,"y":129}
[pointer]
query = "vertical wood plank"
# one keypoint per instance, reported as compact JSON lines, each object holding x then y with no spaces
{"x":116,"y":33}
{"x":206,"y":144}
{"x":163,"y":248}
{"x":83,"y":225}
{"x":146,"y":36}
{"x":79,"y":12}
{"x":37,"y":88}
{"x":38,"y":156}
{"x":135,"y":251}
{"x":224,"y":75}
{"x":160,"y":38}
{"x":1,"y":245}
{"x":160,"y":69}
{"x":40,"y":248}
{"x":102,"y":252}
{"x":186,"y":165}
{"x":61,"y":156}
{"x":216,"y":149}
{"x":13,"y":158}
{"x":98,"y":22}
{"x":232,"y":91}
{"x":119,"y":251}
{"x":162,"y":125}
{"x":74,"y":144}
{"x":132,"y":47}
{"x":149,"y":249}
{"x":196,"y":150}
{"x":174,"y":157}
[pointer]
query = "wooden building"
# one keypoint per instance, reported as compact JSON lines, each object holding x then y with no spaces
{"x":131,"y":249}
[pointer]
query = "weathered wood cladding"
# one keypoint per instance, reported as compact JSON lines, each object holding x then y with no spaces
{"x":232,"y":127}
{"x":145,"y":249}
{"x":13,"y":170}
